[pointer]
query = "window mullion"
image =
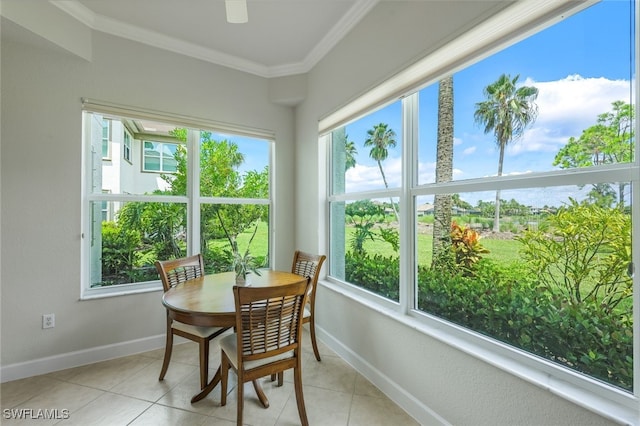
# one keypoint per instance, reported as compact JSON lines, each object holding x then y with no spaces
{"x":193,"y":190}
{"x":407,"y":219}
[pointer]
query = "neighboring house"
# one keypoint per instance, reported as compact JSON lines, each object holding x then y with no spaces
{"x":132,"y":161}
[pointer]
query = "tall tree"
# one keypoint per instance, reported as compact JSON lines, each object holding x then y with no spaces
{"x":380,"y":139}
{"x":609,"y":141}
{"x":220,"y":177}
{"x":507,"y":111}
{"x":444,"y":172}
{"x":350,"y":152}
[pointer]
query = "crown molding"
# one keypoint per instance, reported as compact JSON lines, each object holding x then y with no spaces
{"x":338,"y":32}
{"x":152,"y":38}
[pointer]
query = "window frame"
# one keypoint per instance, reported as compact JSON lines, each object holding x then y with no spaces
{"x":106,"y":125}
{"x":192,"y":200}
{"x":478,"y":43}
{"x":161,"y":156}
{"x":126,"y":145}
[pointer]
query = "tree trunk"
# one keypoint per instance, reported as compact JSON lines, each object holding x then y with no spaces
{"x":393,"y":205}
{"x":444,"y":172}
{"x":496,"y":221}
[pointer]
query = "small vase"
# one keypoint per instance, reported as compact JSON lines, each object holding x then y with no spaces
{"x":243,"y":280}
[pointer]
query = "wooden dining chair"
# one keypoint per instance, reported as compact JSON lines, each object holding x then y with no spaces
{"x":309,"y":265}
{"x":266,"y":341}
{"x":173,"y":272}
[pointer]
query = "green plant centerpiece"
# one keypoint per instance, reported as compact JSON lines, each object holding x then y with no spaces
{"x":244,"y":264}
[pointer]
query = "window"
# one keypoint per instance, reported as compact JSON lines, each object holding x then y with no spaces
{"x":159,"y":157}
{"x":513,"y":220}
{"x":219,"y":200}
{"x":367,"y":160}
{"x":126,"y":146}
{"x":106,"y":138}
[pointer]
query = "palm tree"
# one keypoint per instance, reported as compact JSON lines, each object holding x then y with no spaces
{"x":350,"y":152}
{"x":381,"y":137}
{"x":506,"y":112}
{"x":444,"y":172}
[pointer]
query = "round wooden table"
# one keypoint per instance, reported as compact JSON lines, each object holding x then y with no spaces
{"x":208,"y":301}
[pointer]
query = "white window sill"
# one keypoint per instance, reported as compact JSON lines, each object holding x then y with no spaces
{"x":120,"y":290}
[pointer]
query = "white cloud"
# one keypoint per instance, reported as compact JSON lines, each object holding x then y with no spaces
{"x":565,"y":108}
{"x":367,"y":177}
{"x":470,"y":150}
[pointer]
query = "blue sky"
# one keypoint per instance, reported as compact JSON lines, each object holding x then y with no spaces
{"x":580,"y":66}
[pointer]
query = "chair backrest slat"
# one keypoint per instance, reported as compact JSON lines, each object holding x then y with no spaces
{"x":269,"y":319}
{"x":175,"y":271}
{"x":308,"y":265}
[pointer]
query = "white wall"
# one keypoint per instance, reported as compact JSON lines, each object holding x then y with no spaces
{"x":42,"y":87}
{"x":434,"y":381}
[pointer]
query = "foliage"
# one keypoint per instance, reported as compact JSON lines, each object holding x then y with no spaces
{"x":609,"y":141}
{"x":119,"y":252}
{"x":244,"y":263}
{"x":506,"y":303}
{"x":161,"y":227}
{"x":351,"y":152}
{"x":465,"y":244}
{"x":160,"y":224}
{"x":507,"y":111}
{"x":380,"y":139}
{"x":220,"y":177}
{"x":529,"y":307}
{"x":378,"y":274}
{"x":584,"y":256}
{"x":364,"y":216}
{"x":217,"y":259}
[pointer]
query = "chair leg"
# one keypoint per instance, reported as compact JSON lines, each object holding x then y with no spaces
{"x":280,"y":378}
{"x":240,"y":402}
{"x":204,"y":362}
{"x":297,"y":379}
{"x":261,"y":395}
{"x":167,"y":351}
{"x":224,"y":376}
{"x":312,"y":329}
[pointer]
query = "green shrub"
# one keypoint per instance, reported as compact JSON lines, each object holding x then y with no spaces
{"x":507,"y":304}
{"x":584,"y":256}
{"x":378,"y":274}
{"x":465,"y":243}
{"x":119,"y":253}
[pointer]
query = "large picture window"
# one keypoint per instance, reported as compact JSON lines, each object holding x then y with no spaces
{"x":501,"y":197}
{"x":211,"y":195}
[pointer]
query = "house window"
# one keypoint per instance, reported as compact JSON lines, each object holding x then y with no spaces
{"x":159,"y":157}
{"x":106,"y":138}
{"x":126,"y":146}
{"x":505,"y":206}
{"x":132,"y":219}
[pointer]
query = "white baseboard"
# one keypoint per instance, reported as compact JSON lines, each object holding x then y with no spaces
{"x":50,"y":364}
{"x":420,"y":412}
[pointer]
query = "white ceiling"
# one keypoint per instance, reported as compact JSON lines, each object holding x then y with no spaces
{"x":282,"y":37}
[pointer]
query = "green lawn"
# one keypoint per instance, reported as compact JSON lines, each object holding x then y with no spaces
{"x":500,"y":250}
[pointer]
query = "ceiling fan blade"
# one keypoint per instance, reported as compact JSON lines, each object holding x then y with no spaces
{"x":236,"y":11}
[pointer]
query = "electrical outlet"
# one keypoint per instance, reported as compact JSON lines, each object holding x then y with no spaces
{"x":48,"y":320}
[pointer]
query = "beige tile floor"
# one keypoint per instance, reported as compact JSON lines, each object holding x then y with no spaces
{"x":126,"y":391}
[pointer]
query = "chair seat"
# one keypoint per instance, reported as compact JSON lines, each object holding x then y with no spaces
{"x":229,"y":344}
{"x":194,"y":329}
